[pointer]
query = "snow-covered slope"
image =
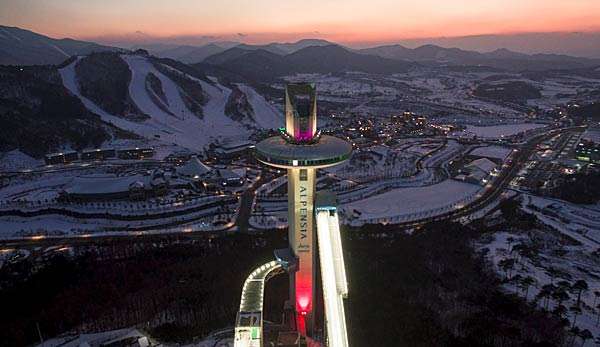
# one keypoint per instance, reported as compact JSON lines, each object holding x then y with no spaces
{"x":265,"y":114}
{"x":173,"y":122}
{"x":145,"y":129}
{"x":17,"y":160}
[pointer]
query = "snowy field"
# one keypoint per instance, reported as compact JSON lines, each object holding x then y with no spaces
{"x":130,"y":337}
{"x":56,"y":226}
{"x":376,"y":162}
{"x":555,"y":257}
{"x":7,"y":255}
{"x":16,"y":161}
{"x":119,"y":337}
{"x":497,"y":131}
{"x":179,"y":125}
{"x":266,"y":115}
{"x":409,"y":201}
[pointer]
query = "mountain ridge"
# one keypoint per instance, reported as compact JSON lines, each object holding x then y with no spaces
{"x":24,"y":47}
{"x":264,"y":65}
{"x":500,"y":58}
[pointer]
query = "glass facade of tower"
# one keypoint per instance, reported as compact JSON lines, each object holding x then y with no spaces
{"x":301,"y":111}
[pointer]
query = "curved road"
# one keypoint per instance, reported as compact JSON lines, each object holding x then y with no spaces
{"x":246,"y":203}
{"x":497,"y":187}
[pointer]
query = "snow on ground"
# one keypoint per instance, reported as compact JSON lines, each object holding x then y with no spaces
{"x":27,"y":190}
{"x":120,"y":337}
{"x":212,"y":342}
{"x":188,"y":129}
{"x":269,"y":220}
{"x":145,"y":129}
{"x":17,"y":227}
{"x":49,"y":226}
{"x":351,"y":85}
{"x":182,"y":127}
{"x":406,"y":201}
{"x":376,"y":162}
{"x":494,"y":152}
{"x":562,"y":251}
{"x":497,"y":131}
{"x":550,"y":257}
{"x":17,"y":160}
{"x":265,"y":114}
{"x":126,"y":336}
{"x":578,"y":222}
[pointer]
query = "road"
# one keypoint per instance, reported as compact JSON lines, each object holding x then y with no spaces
{"x":495,"y":189}
{"x":247,"y":199}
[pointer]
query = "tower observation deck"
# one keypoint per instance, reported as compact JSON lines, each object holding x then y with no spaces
{"x":302,"y":149}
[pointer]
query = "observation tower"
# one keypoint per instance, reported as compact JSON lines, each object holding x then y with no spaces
{"x":302,"y":149}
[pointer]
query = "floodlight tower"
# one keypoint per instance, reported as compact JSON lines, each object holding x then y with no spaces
{"x":301,"y":149}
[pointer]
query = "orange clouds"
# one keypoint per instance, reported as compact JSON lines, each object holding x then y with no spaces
{"x":262,"y":21}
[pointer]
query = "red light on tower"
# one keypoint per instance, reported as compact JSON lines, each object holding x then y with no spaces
{"x":304,"y":288}
{"x":303,"y":301}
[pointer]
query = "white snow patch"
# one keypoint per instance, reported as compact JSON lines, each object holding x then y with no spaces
{"x":17,"y":160}
{"x":405,"y":201}
{"x":265,"y":114}
{"x":70,"y":82}
{"x":186,"y":129}
{"x":11,"y":35}
{"x":60,"y":50}
{"x":498,"y":131}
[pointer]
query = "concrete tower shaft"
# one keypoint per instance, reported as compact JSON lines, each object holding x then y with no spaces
{"x":301,"y":149}
{"x":301,"y":197}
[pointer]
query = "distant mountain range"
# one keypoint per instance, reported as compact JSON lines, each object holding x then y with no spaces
{"x":428,"y":54}
{"x":196,"y":54}
{"x":185,"y":54}
{"x":500,"y":58}
{"x":579,"y":44}
{"x":24,"y":47}
{"x":259,"y":64}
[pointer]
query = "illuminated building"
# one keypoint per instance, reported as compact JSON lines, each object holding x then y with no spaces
{"x":301,"y":149}
{"x":588,"y":151}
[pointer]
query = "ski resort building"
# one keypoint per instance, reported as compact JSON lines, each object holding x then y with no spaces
{"x":588,"y":149}
{"x":194,"y":168}
{"x":231,"y":150}
{"x":479,"y":170}
{"x":61,"y":158}
{"x":94,"y":188}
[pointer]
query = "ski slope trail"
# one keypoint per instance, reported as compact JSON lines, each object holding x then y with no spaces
{"x":185,"y":129}
{"x":191,"y":131}
{"x":265,"y":114}
{"x":215,"y":119}
{"x":144,"y":129}
{"x":173,"y":122}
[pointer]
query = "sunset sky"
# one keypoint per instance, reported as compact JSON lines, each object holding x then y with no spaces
{"x":259,"y":21}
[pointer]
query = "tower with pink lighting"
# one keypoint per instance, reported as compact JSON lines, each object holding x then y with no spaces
{"x":302,"y":149}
